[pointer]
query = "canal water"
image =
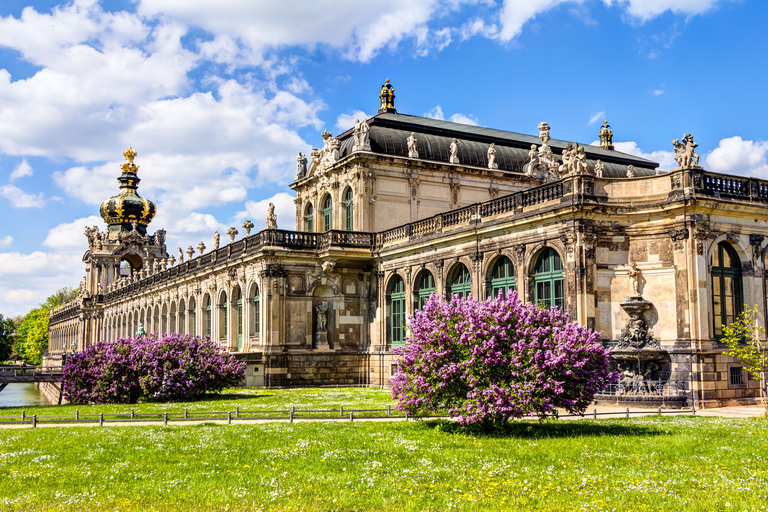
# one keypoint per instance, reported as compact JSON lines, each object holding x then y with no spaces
{"x":19,"y":395}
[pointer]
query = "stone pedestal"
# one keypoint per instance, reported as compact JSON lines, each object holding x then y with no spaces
{"x":321,"y":341}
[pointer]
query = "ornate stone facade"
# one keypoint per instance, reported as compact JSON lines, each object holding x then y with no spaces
{"x":400,"y":207}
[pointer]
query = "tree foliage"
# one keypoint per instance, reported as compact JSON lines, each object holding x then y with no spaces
{"x":486,"y":362}
{"x":60,"y":297}
{"x":7,"y":329}
{"x":746,"y":342}
{"x":32,"y":336}
{"x":129,"y":370}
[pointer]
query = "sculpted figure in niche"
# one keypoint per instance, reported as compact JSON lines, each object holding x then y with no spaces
{"x":271,"y":217}
{"x":634,"y":276}
{"x":413,"y":151}
{"x":322,"y":316}
{"x":492,"y":157}
{"x":454,"y":151}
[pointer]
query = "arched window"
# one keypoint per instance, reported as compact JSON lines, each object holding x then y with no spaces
{"x":192,"y":316}
{"x":425,"y":286}
{"x":255,"y":311}
{"x":208,"y":314}
{"x":164,"y":320}
{"x":173,"y":318}
{"x":327,"y":213}
{"x":223,"y":320}
{"x":548,"y":280}
{"x":459,"y":281}
{"x":309,"y":217}
{"x":349,"y":210}
{"x":396,"y":316}
{"x":156,"y":320}
{"x":502,"y":277}
{"x":237,"y":298}
{"x":182,"y":318}
{"x":726,"y":286}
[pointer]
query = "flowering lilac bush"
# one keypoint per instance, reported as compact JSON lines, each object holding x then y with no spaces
{"x":497,"y":359}
{"x":174,"y":367}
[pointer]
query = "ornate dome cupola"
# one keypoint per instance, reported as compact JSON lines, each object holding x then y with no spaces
{"x":122,"y":210}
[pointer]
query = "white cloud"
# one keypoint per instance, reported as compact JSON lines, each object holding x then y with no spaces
{"x":595,"y":118}
{"x":435,"y":113}
{"x":645,"y":10}
{"x":21,"y":170}
{"x":71,"y":235}
{"x":20,"y":199}
{"x":464,"y":119}
{"x":6,"y":241}
{"x":658,"y":92}
{"x":256,"y":212}
{"x":516,"y":13}
{"x":198,"y":223}
{"x":737,"y":156}
{"x":346,"y":121}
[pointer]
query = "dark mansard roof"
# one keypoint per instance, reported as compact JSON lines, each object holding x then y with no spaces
{"x":389,"y":132}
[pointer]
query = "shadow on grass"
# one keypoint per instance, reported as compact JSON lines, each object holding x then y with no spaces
{"x":547,"y":429}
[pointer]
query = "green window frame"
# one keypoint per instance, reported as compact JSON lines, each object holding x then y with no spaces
{"x":208,"y":316}
{"x":182,"y":318}
{"x":224,"y":320}
{"x":425,"y":287}
{"x":349,"y":210}
{"x":256,"y":312}
{"x":727,"y":286}
{"x":459,"y":282}
{"x":193,"y":317}
{"x":239,"y":304}
{"x":327,"y":213}
{"x":309,"y":217}
{"x":396,"y":303}
{"x":548,"y":280}
{"x":502,"y":277}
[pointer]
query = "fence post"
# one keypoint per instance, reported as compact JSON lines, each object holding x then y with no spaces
{"x":659,"y":410}
{"x":693,"y":410}
{"x":627,"y":412}
{"x":77,"y":414}
{"x":352,"y":416}
{"x":595,"y":413}
{"x":389,"y":410}
{"x":341,"y":411}
{"x":165,"y":419}
{"x":237,"y":408}
{"x":34,"y":421}
{"x":131,"y":413}
{"x":186,"y":413}
{"x":23,"y":414}
{"x":290,"y":417}
{"x":101,"y":419}
{"x":293,"y":409}
{"x":406,"y":416}
{"x":229,"y":418}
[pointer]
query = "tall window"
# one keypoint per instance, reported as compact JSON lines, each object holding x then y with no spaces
{"x":182,"y":318}
{"x":238,"y":297}
{"x":255,"y":312}
{"x":548,"y":280}
{"x":502,"y":277}
{"x":459,"y":281}
{"x":309,"y":217}
{"x":173,"y":317}
{"x":396,"y":320}
{"x":192,"y":317}
{"x":208,"y":314}
{"x":726,"y":286}
{"x":327,"y":213}
{"x":223,"y":320}
{"x":425,"y":286}
{"x":164,"y":319}
{"x":349,"y":210}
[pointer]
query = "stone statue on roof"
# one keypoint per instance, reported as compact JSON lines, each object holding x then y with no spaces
{"x":492,"y":157}
{"x":599,"y":168}
{"x":301,"y":166}
{"x":271,"y":217}
{"x":454,"y":159}
{"x":365,"y":138}
{"x":216,"y":240}
{"x":413,"y":151}
{"x":685,"y":154}
{"x":544,"y":132}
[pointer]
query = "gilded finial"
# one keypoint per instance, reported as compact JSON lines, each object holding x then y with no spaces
{"x":387,"y":97}
{"x":606,"y":136}
{"x":129,"y":155}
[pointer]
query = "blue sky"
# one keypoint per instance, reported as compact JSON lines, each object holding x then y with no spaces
{"x":218,"y":97}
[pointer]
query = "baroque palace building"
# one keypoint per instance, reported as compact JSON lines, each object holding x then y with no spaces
{"x":400,"y":207}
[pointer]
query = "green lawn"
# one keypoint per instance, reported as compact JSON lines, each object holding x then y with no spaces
{"x":244,"y":398}
{"x":651,"y":463}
